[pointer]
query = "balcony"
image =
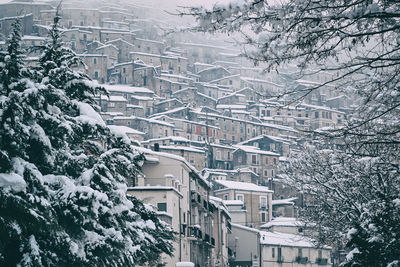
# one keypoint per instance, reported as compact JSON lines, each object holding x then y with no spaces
{"x":301,"y":260}
{"x":280,"y":259}
{"x":210,"y":208}
{"x":322,"y":261}
{"x":205,"y":204}
{"x":195,"y":233}
{"x":207,"y":238}
{"x":196,"y":198}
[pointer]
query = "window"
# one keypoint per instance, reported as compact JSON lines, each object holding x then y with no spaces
{"x":265,"y":173}
{"x":95,"y":61}
{"x":266,"y":160}
{"x":320,"y":254}
{"x":123,"y":70}
{"x":226,"y":197}
{"x":263,"y":217}
{"x":219,"y":155}
{"x":230,"y":82}
{"x":96,"y":75}
{"x":229,"y":155}
{"x":279,"y":253}
{"x":300,"y":252}
{"x":273,"y":252}
{"x":162,"y":206}
{"x":316,"y":115}
{"x":240,"y":197}
{"x":254,"y":159}
{"x":263,"y":202}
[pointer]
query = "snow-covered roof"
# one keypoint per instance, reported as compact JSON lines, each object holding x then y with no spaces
{"x":113,"y":98}
{"x":172,"y":138}
{"x":125,"y":129}
{"x":142,"y":98}
{"x":184,"y":148}
{"x":245,"y":228}
{"x":249,"y":79}
{"x":255,"y":150}
{"x":242,"y":186}
{"x":259,"y":137}
{"x":234,"y":106}
{"x":31,"y":37}
{"x":126,"y":89}
{"x":233,"y":202}
{"x":283,"y":221}
{"x":158,"y":187}
{"x":169,"y":111}
{"x":287,"y":201}
{"x":286,"y":240}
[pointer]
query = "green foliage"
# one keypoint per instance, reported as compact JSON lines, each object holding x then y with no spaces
{"x":63,"y":173}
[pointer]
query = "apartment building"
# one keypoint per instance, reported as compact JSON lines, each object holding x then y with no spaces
{"x":257,"y":200}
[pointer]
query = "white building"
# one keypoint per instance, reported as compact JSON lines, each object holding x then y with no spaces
{"x":289,"y":250}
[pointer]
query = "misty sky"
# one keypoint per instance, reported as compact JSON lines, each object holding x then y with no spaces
{"x":178,"y":2}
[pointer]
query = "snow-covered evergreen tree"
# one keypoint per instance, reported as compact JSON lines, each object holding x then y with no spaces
{"x":63,"y":174}
{"x":11,"y":61}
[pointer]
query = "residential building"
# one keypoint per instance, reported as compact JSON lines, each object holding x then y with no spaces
{"x":287,"y":250}
{"x":257,"y":200}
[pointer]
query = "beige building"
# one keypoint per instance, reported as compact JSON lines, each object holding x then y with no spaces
{"x":165,"y":186}
{"x":290,"y":250}
{"x":262,"y":162}
{"x":221,"y":229}
{"x":80,"y":17}
{"x":149,"y":46}
{"x":257,"y":200}
{"x":174,"y":187}
{"x":96,"y":66}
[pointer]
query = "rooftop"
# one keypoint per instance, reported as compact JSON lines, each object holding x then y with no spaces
{"x":242,"y":186}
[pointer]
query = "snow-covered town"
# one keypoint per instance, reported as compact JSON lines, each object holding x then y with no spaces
{"x":143,"y":133}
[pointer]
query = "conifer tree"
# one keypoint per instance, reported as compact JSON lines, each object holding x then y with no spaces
{"x":11,"y":61}
{"x":63,"y":176}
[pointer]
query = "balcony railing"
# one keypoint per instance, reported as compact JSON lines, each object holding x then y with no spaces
{"x":322,"y":261}
{"x":302,"y":260}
